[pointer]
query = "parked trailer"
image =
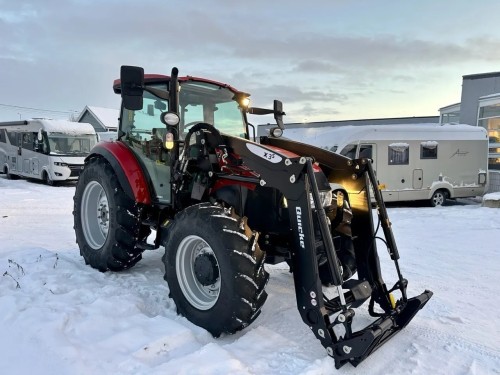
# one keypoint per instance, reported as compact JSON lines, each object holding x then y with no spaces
{"x":413,"y":162}
{"x":48,"y":150}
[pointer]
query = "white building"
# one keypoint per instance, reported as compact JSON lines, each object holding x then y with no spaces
{"x":480,"y":106}
{"x":102,"y":119}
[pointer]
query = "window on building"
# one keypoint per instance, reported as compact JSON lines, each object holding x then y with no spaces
{"x":489,"y":118}
{"x":429,"y":150}
{"x":450,"y":118}
{"x":399,"y":154}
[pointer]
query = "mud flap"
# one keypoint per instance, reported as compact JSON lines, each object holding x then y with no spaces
{"x":362,"y":343}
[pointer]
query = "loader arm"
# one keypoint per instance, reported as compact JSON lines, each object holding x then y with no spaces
{"x":293,"y":176}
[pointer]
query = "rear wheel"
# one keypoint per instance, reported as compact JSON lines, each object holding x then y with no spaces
{"x":215,"y":269}
{"x":439,"y":198}
{"x":107,"y":222}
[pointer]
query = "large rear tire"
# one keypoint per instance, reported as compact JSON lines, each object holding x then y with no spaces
{"x":215,"y":269}
{"x":107,"y":222}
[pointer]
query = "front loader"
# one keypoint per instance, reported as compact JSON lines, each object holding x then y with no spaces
{"x":223,"y":204}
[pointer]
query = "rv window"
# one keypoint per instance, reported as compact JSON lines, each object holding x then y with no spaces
{"x":349,"y":151}
{"x":399,"y":154}
{"x":428,"y":150}
{"x":3,"y":137}
{"x":365,"y":151}
{"x":28,"y":141}
{"x":12,"y":138}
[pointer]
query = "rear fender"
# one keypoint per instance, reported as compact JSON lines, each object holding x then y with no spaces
{"x":128,"y":170}
{"x":443,"y":185}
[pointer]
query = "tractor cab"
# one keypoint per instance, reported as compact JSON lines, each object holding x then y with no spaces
{"x":159,"y":111}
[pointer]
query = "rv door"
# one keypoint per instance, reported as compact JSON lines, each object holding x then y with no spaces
{"x":418,"y":177}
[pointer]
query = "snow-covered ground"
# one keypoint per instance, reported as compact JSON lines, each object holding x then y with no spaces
{"x":59,"y":316}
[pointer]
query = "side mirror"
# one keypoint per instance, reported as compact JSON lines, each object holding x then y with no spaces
{"x":278,"y":113}
{"x":132,"y":83}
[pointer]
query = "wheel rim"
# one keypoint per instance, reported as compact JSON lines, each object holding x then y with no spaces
{"x":438,"y":199}
{"x":198,"y":295}
{"x":95,"y":215}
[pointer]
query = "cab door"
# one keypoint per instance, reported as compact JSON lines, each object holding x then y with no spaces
{"x":145,"y":135}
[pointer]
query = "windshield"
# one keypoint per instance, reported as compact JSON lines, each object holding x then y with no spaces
{"x":66,"y":144}
{"x":198,"y":102}
{"x":212,"y":104}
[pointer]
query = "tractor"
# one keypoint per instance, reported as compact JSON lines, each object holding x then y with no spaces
{"x":188,"y":173}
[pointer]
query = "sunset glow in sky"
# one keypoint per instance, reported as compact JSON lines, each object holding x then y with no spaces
{"x":325,"y":59}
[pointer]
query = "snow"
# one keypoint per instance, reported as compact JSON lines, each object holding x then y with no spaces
{"x":59,"y":316}
{"x":399,"y":146}
{"x":67,"y":127}
{"x":343,"y":135}
{"x":107,"y":116}
{"x":429,"y":144}
{"x":492,"y":196}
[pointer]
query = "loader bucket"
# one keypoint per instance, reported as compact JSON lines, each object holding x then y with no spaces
{"x":366,"y":341}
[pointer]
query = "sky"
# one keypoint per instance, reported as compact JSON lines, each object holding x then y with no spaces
{"x":325,"y":59}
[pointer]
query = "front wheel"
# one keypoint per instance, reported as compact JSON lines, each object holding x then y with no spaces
{"x":9,"y":175}
{"x":46,"y":179}
{"x":215,"y":269}
{"x":439,"y":198}
{"x":107,"y":222}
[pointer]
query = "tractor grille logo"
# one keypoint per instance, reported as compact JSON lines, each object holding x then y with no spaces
{"x":298,"y":211}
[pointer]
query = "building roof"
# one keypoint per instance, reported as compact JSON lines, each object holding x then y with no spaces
{"x":107,"y":117}
{"x":453,"y":107}
{"x":481,"y":75}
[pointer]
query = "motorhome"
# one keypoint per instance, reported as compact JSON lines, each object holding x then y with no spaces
{"x":412,"y":162}
{"x":49,"y":150}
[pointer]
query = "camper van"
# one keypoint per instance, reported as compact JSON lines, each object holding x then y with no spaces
{"x":49,"y":150}
{"x":412,"y":162}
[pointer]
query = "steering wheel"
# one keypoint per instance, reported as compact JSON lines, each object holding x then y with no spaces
{"x":214,"y":141}
{"x":187,"y":127}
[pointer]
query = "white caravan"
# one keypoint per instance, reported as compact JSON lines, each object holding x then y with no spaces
{"x":412,"y":162}
{"x":50,"y":150}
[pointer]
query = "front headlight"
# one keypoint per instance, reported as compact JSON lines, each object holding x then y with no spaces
{"x":60,"y":164}
{"x":325,"y":197}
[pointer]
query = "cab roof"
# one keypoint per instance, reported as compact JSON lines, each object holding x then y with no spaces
{"x":159,"y":78}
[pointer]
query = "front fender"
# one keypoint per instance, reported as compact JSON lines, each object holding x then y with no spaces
{"x":127,"y":168}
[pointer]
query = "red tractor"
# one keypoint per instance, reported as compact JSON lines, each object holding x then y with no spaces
{"x":222,"y":205}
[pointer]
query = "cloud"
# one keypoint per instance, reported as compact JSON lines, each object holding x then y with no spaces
{"x":271,"y":49}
